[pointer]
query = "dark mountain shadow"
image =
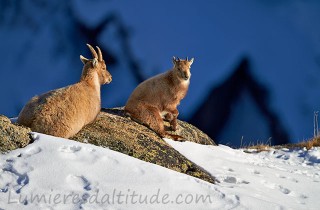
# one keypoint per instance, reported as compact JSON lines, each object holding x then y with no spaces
{"x":215,"y":112}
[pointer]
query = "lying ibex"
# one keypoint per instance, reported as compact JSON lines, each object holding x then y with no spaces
{"x":158,"y":97}
{"x":63,"y":112}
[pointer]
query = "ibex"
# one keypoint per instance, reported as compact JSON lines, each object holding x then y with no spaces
{"x":158,"y":97}
{"x":63,"y":112}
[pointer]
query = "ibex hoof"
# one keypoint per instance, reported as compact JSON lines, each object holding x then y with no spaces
{"x":176,"y":137}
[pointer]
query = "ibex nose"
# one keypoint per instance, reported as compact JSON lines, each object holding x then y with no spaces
{"x":110,"y":79}
{"x":186,"y":76}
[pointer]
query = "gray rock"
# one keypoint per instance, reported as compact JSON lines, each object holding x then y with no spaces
{"x":12,"y":136}
{"x":114,"y":130}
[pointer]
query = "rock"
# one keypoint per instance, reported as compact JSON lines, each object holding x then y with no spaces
{"x":12,"y":136}
{"x":114,"y":130}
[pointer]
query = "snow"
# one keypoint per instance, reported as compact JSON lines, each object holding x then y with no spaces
{"x":277,"y":179}
{"x":57,"y":167}
{"x":56,"y":173}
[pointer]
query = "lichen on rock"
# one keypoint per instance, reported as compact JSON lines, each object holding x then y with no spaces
{"x":114,"y":130}
{"x":12,"y":136}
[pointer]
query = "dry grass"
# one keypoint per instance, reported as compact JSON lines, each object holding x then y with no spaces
{"x":257,"y":148}
{"x":308,"y":144}
{"x":314,"y":142}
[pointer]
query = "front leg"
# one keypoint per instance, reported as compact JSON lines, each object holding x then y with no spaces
{"x":171,"y":117}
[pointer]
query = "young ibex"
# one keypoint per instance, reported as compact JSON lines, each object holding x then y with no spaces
{"x":63,"y":112}
{"x":158,"y":97}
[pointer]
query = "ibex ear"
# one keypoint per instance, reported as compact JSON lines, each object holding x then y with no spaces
{"x":174,"y":60}
{"x":94,"y":62}
{"x":83,"y":59}
{"x":191,"y":61}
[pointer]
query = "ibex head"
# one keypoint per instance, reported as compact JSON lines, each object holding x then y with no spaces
{"x":182,"y":67}
{"x":95,"y":65}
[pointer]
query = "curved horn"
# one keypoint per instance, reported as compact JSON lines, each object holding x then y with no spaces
{"x":99,"y":54}
{"x":94,"y":53}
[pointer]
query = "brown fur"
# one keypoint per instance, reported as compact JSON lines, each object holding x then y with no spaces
{"x":63,"y":112}
{"x":158,"y":97}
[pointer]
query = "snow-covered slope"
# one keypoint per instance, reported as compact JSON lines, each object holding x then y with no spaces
{"x":55,"y":173}
{"x":278,"y":179}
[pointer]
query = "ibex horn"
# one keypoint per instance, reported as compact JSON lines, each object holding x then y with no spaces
{"x":99,"y":54}
{"x":94,"y":53}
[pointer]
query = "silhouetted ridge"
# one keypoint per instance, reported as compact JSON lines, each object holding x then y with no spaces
{"x":215,"y":112}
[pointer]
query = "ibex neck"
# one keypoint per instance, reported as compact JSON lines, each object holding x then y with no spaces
{"x":92,"y":80}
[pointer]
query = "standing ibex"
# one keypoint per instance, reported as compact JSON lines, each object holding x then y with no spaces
{"x":63,"y":112}
{"x":158,"y":97}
